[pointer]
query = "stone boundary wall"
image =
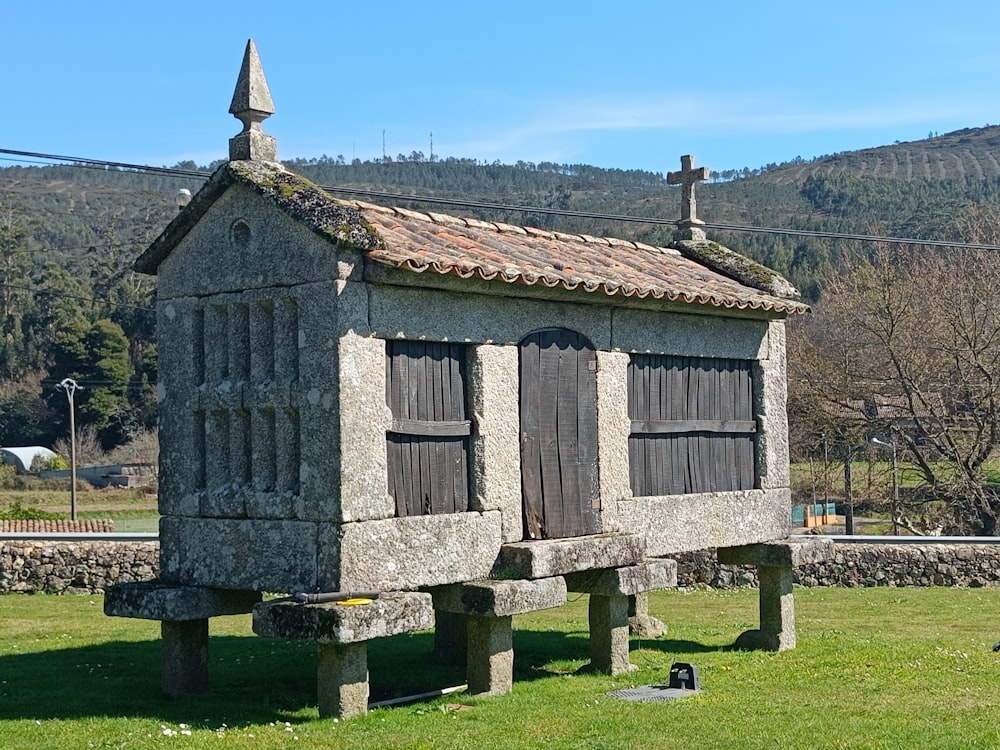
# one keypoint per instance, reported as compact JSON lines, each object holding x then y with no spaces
{"x":74,"y":567}
{"x":853,"y":565}
{"x":90,"y":567}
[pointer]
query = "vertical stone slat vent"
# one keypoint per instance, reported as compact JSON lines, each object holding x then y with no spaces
{"x":250,"y":434}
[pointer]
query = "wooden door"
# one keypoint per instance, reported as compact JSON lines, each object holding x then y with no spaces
{"x":558,"y":371}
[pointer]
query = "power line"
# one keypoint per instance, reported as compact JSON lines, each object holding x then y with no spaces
{"x":68,"y":295}
{"x":848,"y":236}
{"x":91,"y":163}
{"x":103,"y":164}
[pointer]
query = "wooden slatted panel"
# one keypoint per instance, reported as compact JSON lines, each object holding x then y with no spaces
{"x":428,"y":444}
{"x":531,"y":450}
{"x":548,"y":386}
{"x":692,"y":425}
{"x":558,"y":402}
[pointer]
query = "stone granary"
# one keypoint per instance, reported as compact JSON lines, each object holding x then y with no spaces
{"x":465,"y":419}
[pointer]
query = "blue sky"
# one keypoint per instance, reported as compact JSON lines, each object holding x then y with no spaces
{"x":631,"y":85}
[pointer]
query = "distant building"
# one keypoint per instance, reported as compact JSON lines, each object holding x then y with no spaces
{"x":22,"y":458}
{"x":108,"y":475}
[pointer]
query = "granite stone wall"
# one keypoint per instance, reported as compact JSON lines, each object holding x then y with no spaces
{"x":74,"y":567}
{"x":852,"y":565}
{"x":90,"y":567}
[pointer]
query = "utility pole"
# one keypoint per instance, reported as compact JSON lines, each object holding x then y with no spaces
{"x":895,"y":483}
{"x":71,"y":387}
{"x":848,"y":490}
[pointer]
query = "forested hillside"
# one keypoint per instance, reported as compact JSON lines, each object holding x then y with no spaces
{"x":68,"y":234}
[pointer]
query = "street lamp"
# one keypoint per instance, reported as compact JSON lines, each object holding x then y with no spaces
{"x":71,"y":387}
{"x":895,"y":483}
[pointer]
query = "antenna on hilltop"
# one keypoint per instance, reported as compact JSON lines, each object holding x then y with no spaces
{"x":383,"y":144}
{"x":432,"y":145}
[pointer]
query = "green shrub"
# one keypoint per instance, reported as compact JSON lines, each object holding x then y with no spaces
{"x":16,"y":512}
{"x":55,"y":463}
{"x":11,"y":480}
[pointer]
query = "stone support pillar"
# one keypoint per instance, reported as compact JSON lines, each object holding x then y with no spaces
{"x":341,"y":634}
{"x":777,"y":608}
{"x":184,"y":657}
{"x":775,"y":563}
{"x":490,"y":662}
{"x":342,"y":679}
{"x":486,"y":609}
{"x":639,"y":621}
{"x":183,"y":612}
{"x":608,"y":617}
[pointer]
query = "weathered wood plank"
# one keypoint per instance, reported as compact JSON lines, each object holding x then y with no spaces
{"x":567,"y":395}
{"x":548,"y":385}
{"x":531,"y":477}
{"x":430,"y":428}
{"x":668,"y":427}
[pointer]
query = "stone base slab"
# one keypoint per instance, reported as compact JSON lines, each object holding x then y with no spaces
{"x":791,"y":552}
{"x":155,"y":600}
{"x":500,"y":598}
{"x":545,"y":558}
{"x":333,"y":622}
{"x":651,"y":575}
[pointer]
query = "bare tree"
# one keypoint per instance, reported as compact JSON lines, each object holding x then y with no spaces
{"x":88,"y":447}
{"x":905,"y":344}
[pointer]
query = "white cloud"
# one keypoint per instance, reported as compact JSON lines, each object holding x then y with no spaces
{"x":743,"y":115}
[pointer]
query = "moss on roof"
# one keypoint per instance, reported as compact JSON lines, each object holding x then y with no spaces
{"x":295,"y":195}
{"x":307,"y":202}
{"x":745,"y":270}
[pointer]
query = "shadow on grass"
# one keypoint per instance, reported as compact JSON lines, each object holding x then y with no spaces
{"x":676,"y":647}
{"x":250,"y":681}
{"x":255,"y":680}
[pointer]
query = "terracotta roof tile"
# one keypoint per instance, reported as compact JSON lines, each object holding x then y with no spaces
{"x":424,"y":242}
{"x":698,"y":273}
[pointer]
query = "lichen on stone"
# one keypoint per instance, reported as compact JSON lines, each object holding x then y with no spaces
{"x":739,"y":267}
{"x":309,"y":203}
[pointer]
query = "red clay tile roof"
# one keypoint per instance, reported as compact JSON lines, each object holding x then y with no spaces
{"x":468,"y":248}
{"x":60,"y":526}
{"x":706,"y":274}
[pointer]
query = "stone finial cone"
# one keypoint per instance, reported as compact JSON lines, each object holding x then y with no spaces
{"x":252,"y":94}
{"x":252,"y":105}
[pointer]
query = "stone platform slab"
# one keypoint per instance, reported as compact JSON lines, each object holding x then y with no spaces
{"x":651,"y":575}
{"x":500,"y":598}
{"x":333,"y":622}
{"x":155,"y":600}
{"x":545,"y":558}
{"x":790,"y":552}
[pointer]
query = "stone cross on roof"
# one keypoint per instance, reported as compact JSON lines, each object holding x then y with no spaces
{"x":252,"y":105}
{"x":687,"y":178}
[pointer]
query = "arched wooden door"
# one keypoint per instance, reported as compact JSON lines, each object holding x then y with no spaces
{"x":558,"y":371}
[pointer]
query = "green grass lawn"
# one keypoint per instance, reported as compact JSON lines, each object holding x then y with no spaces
{"x":875,"y":668}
